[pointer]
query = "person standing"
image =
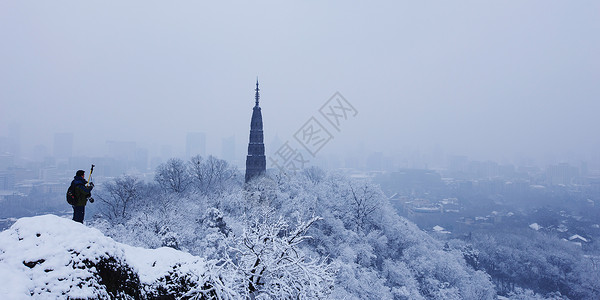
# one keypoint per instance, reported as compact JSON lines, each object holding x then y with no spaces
{"x":82,"y":192}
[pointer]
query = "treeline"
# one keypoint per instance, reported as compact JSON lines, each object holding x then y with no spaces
{"x":526,"y":259}
{"x":340,"y":232}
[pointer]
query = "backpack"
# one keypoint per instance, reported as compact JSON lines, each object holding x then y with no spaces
{"x":71,"y":195}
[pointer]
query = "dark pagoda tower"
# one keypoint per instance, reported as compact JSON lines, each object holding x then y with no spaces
{"x":256,"y":162}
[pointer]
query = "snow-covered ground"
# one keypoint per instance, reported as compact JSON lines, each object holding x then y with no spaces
{"x":53,"y":257}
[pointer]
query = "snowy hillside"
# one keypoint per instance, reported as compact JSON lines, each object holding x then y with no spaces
{"x":52,"y":257}
{"x":49,"y":257}
{"x":264,"y":240}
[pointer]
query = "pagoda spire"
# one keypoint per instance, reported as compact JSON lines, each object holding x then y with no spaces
{"x":256,"y":160}
{"x":257,"y":95}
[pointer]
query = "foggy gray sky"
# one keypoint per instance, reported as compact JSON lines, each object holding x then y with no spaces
{"x":486,"y":79}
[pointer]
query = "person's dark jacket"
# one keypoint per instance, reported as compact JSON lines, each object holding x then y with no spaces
{"x":82,"y":192}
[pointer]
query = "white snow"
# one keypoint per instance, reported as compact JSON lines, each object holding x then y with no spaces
{"x":438,"y":228}
{"x":535,"y":226}
{"x":562,"y":228}
{"x":577,"y":237}
{"x":55,"y":249}
{"x":151,"y":264}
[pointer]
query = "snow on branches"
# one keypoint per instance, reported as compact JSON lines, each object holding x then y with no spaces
{"x":273,"y":265}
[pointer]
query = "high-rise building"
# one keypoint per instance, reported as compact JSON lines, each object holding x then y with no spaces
{"x":7,"y":161}
{"x":122,"y":151}
{"x":7,"y":180}
{"x":562,"y":173}
{"x":256,"y":162}
{"x":120,"y":157}
{"x":195,"y":144}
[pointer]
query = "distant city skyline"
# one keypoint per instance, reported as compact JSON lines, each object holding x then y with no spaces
{"x":66,"y":144}
{"x":358,"y":157}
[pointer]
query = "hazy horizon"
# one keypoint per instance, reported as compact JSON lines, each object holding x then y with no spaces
{"x":492,"y":81}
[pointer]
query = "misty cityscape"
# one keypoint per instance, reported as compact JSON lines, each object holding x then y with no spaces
{"x":418,"y":191}
{"x":337,"y":150}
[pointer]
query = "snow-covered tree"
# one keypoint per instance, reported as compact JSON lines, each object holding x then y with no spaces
{"x":212,"y":175}
{"x":119,"y":197}
{"x":529,"y":260}
{"x":274,"y":266}
{"x":377,"y":253}
{"x":173,"y":176}
{"x":363,"y":199}
{"x":314,"y":174}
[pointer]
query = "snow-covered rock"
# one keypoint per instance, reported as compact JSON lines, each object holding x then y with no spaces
{"x":535,"y":226}
{"x":52,"y":257}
